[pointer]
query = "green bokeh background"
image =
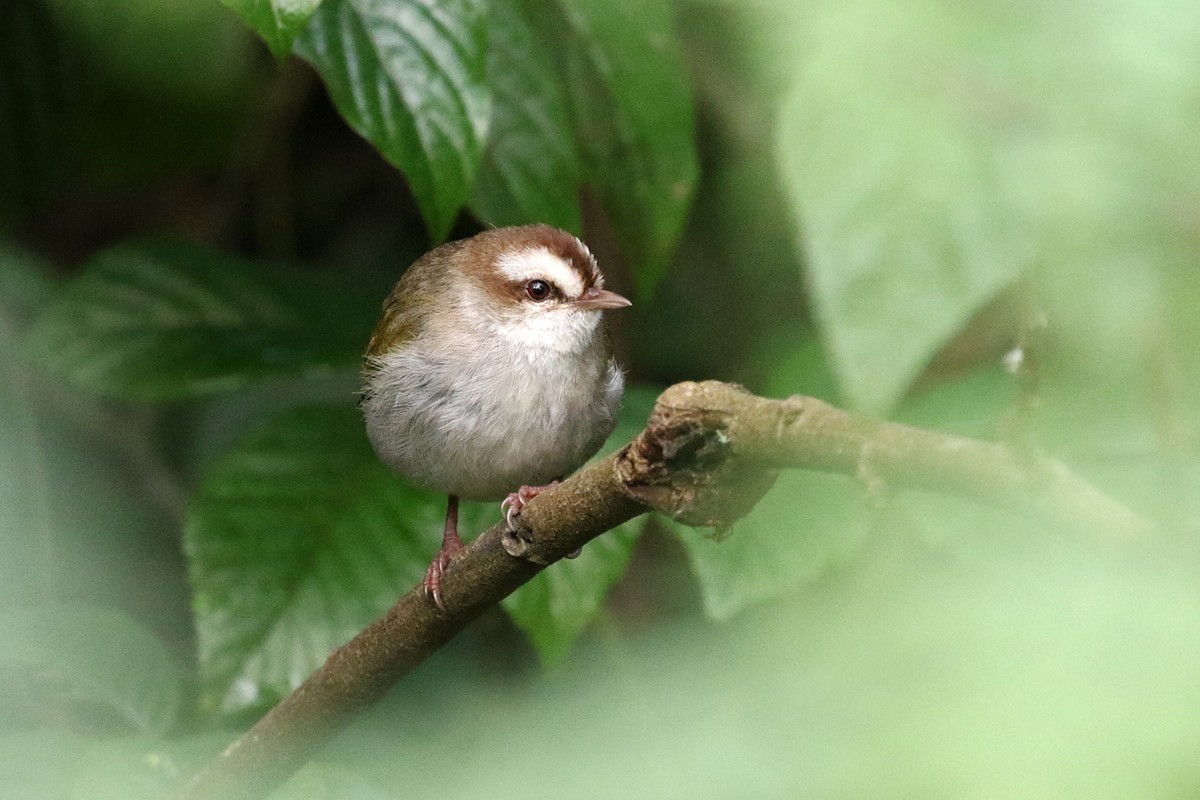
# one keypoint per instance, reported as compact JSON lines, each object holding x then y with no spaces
{"x":870,"y":202}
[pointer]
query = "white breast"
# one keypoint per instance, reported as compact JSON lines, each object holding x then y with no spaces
{"x":481,"y":414}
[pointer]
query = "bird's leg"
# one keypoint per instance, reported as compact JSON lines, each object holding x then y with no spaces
{"x":451,"y":546}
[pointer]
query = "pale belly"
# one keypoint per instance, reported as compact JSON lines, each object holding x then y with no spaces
{"x":483,"y":431}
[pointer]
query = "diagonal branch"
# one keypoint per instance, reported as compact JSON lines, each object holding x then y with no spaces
{"x":706,"y":456}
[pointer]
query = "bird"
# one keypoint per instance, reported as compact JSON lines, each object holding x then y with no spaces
{"x":490,"y":373}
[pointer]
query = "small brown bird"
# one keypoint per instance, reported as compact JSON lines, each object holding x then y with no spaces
{"x":490,"y":372}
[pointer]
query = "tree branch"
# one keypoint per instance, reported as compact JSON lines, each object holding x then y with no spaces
{"x":707,"y":455}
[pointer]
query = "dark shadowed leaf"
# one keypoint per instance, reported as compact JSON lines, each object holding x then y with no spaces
{"x":532,"y":172}
{"x":162,"y":320}
{"x":632,"y":110}
{"x":410,"y":77}
{"x":40,"y":96}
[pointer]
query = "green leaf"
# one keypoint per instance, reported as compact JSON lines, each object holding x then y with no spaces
{"x":973,"y":404}
{"x":297,"y":539}
{"x":936,"y":153}
{"x":55,"y":765}
{"x":800,"y":368}
{"x":532,"y":172}
{"x":556,"y":606}
{"x":895,"y":191}
{"x":634,"y":121}
{"x":808,"y":523}
{"x":410,"y":77}
{"x":278,"y":22}
{"x":96,"y":655}
{"x":158,"y":321}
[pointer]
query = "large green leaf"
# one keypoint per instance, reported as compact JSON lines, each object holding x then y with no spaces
{"x":895,"y":187}
{"x":633,"y":119}
{"x":94,"y":655}
{"x":278,"y":22}
{"x":975,"y":404}
{"x":295,"y":540}
{"x":532,"y":172}
{"x":934,"y":153}
{"x":410,"y":77}
{"x":161,"y":320}
{"x":556,"y":606}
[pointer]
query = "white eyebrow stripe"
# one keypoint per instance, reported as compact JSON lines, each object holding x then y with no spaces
{"x":538,"y":262}
{"x":591,"y":258}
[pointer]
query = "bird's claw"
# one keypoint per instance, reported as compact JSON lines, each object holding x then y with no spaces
{"x":437,"y":568}
{"x":509,"y":508}
{"x":515,"y":503}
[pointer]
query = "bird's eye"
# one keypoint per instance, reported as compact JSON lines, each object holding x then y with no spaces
{"x":538,"y":290}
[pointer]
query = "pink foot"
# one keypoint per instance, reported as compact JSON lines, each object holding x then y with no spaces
{"x":451,"y":546}
{"x":433,"y":576}
{"x":515,"y":502}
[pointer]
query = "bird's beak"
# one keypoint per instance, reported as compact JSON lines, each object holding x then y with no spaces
{"x":600,"y":299}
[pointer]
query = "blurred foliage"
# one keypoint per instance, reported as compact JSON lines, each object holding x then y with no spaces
{"x":161,"y":320}
{"x":880,"y":204}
